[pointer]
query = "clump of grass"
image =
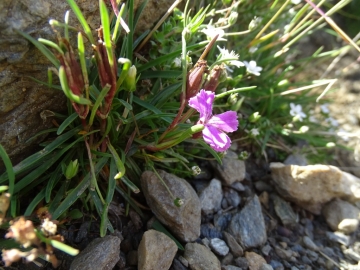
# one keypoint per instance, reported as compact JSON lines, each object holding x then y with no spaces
{"x":128,"y":107}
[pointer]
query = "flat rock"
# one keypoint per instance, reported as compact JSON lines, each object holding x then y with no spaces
{"x":248,"y":226}
{"x":156,"y":251}
{"x":219,"y":247}
{"x":314,"y":185}
{"x":183,"y":221}
{"x":231,"y":170}
{"x":200,"y":257}
{"x":341,"y":216}
{"x":234,"y":246}
{"x":101,"y":253}
{"x":211,"y":197}
{"x":255,"y":260}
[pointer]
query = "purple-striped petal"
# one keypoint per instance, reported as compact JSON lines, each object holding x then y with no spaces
{"x":217,"y":139}
{"x":226,"y":121}
{"x":203,"y":102}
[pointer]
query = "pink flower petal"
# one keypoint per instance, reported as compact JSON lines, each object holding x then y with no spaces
{"x":226,"y":121}
{"x":203,"y":102}
{"x":217,"y":139}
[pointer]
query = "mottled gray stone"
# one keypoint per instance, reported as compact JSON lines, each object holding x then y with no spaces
{"x":231,"y":170}
{"x":200,"y":257}
{"x":219,"y":247}
{"x":296,"y":159}
{"x":101,"y":253}
{"x":183,"y":221}
{"x":248,"y":226}
{"x":211,"y":196}
{"x":156,"y":251}
{"x":234,"y":246}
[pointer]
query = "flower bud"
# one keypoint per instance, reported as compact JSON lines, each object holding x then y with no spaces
{"x":244,"y":155}
{"x":72,"y":169}
{"x":217,"y":75}
{"x":196,"y":170}
{"x":254,"y":117}
{"x":195,"y":79}
{"x":233,"y":17}
{"x":232,"y":99}
{"x":255,"y":23}
{"x":130,"y":79}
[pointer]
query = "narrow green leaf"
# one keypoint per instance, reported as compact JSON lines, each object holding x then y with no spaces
{"x":9,"y":169}
{"x":130,"y":36}
{"x":67,"y":90}
{"x":82,"y":20}
{"x":130,"y":184}
{"x":38,"y":198}
{"x":78,"y":190}
{"x":66,"y":123}
{"x":28,"y":162}
{"x":119,"y":164}
{"x":212,"y":151}
{"x":45,"y":51}
{"x":159,"y":227}
{"x":50,"y":44}
{"x":100,"y":98}
{"x":65,"y":248}
{"x":105,"y":22}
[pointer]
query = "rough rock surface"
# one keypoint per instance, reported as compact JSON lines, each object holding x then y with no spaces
{"x":101,"y":253}
{"x":183,"y":221}
{"x":232,"y":169}
{"x":248,"y":226}
{"x":23,"y":102}
{"x":156,"y":251}
{"x":341,"y":216}
{"x":312,"y":186}
{"x":200,"y":257}
{"x":211,"y":197}
{"x":255,"y":260}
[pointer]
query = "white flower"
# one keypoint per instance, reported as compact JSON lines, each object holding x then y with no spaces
{"x":225,"y":54}
{"x":177,"y":62}
{"x":210,"y":31}
{"x":296,"y":111}
{"x":253,"y":49}
{"x":333,"y":122}
{"x":324,"y":108}
{"x":252,"y":68}
{"x":254,"y":132}
{"x":313,"y":119}
{"x":296,"y":2}
{"x":343,"y":134}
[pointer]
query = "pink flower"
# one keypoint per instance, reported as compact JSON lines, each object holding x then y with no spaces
{"x":215,"y":125}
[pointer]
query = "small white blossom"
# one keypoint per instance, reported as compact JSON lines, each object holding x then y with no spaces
{"x":210,"y":31}
{"x":333,"y":122}
{"x":324,"y":108}
{"x":177,"y":62}
{"x":225,"y":54}
{"x":252,"y":68}
{"x":296,"y":111}
{"x":254,"y":132}
{"x":253,"y":49}
{"x":313,"y":119}
{"x":196,"y":170}
{"x":296,"y":2}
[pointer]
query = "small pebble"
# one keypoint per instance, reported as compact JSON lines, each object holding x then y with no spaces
{"x":309,"y":243}
{"x":313,"y":256}
{"x":306,"y":260}
{"x":237,"y":186}
{"x":276,"y":265}
{"x":266,"y":266}
{"x":266,"y":249}
{"x":219,"y":246}
{"x":298,"y":248}
{"x":242,"y":262}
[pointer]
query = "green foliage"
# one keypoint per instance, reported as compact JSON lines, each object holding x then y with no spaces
{"x":127,"y":111}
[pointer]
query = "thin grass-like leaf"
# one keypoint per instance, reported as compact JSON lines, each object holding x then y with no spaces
{"x":51,"y":44}
{"x":58,"y":197}
{"x":39,"y":197}
{"x":130,"y":201}
{"x":130,"y":36}
{"x":159,"y":227}
{"x":57,"y":87}
{"x":67,"y":90}
{"x":212,"y":151}
{"x":9,"y":169}
{"x":78,"y":190}
{"x":119,"y":164}
{"x":45,"y":51}
{"x":82,"y":20}
{"x":150,"y":107}
{"x":28,"y":162}
{"x":98,"y":101}
{"x":169,"y":74}
{"x":130,"y":184}
{"x":105,"y":22}
{"x":66,"y":123}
